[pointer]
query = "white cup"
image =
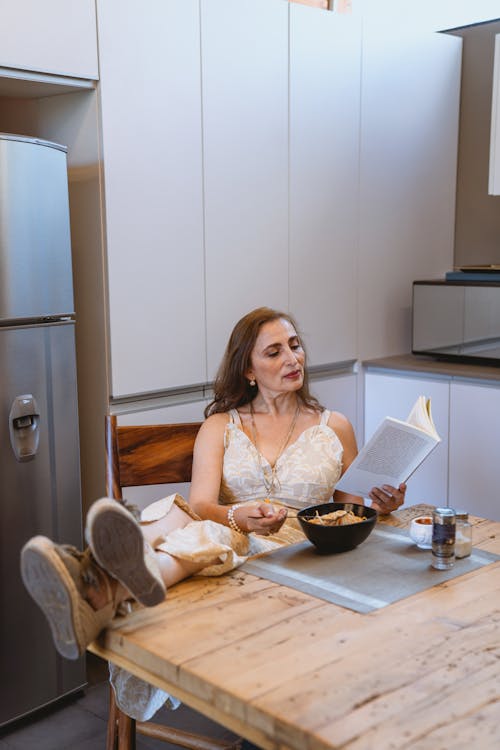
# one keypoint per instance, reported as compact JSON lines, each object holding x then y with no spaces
{"x":421,"y":531}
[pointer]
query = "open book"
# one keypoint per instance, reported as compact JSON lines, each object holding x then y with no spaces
{"x":393,"y":452}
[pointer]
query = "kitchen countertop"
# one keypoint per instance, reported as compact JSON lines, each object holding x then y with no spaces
{"x":422,"y":364}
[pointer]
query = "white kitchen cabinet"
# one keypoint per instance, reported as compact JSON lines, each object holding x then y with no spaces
{"x":170,"y":413}
{"x":408,"y":156}
{"x":389,"y":395}
{"x":325,"y":68}
{"x":245,"y":149}
{"x":233,"y":158}
{"x":475,"y":449}
{"x":338,"y":393}
{"x":54,"y":36}
{"x":150,"y":95}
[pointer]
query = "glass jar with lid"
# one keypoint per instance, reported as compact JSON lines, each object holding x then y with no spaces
{"x":463,"y":534}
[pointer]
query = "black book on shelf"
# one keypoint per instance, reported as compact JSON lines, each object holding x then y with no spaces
{"x":487,"y":273}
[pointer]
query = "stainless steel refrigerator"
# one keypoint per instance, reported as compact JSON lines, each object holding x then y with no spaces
{"x":39,"y":446}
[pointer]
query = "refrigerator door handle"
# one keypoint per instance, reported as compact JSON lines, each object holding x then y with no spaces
{"x":24,"y":427}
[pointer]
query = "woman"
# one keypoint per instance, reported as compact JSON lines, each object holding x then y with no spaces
{"x":266,"y":436}
{"x":266,"y":446}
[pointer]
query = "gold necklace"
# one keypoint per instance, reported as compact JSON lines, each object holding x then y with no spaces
{"x":273,"y":482}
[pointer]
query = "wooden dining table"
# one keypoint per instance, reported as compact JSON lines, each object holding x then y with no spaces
{"x":290,"y":671}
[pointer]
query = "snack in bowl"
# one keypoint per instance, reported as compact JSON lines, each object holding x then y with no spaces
{"x":336,"y":518}
{"x":331,"y":531}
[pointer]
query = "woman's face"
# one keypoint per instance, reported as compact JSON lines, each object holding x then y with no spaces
{"x":277,"y":359}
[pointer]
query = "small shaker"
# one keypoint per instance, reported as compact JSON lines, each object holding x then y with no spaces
{"x":463,"y":534}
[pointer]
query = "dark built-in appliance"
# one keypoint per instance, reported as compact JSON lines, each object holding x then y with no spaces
{"x":457,"y":320}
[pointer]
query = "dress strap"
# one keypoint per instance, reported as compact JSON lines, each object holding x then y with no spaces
{"x":234,"y":418}
{"x":325,"y":416}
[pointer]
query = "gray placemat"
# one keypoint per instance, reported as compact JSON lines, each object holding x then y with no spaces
{"x":387,"y":567}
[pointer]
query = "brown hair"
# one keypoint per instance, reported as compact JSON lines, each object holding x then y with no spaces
{"x":231,"y":387}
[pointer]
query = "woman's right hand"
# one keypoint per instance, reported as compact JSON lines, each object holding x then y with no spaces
{"x":260,"y":518}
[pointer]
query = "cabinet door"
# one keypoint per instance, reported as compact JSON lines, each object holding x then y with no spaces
{"x":150,"y":94}
{"x":410,"y":104}
{"x":474,"y":449}
{"x":245,"y":138}
{"x":54,"y":36}
{"x":325,"y":61}
{"x":338,"y":393}
{"x":394,"y":396}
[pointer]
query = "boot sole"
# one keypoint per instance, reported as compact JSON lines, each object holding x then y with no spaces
{"x":42,"y":575}
{"x":117,"y":544}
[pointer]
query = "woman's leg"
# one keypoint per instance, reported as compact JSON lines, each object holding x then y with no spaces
{"x":156,"y":531}
{"x":172,"y":568}
{"x":79,"y":597}
{"x":126,"y":549}
{"x":79,"y":592}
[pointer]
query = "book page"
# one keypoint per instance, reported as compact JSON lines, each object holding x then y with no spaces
{"x":421,"y":416}
{"x":393,"y":453}
{"x":390,"y":457}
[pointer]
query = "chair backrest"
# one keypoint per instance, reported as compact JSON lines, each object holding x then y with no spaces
{"x":147,"y":454}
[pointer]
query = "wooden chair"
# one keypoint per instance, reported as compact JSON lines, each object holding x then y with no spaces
{"x":138,"y":456}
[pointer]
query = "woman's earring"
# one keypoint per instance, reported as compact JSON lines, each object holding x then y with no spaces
{"x":252,"y":382}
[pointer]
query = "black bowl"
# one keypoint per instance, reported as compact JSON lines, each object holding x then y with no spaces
{"x":330,"y":539}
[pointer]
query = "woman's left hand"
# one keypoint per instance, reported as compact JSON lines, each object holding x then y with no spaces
{"x":386,"y":498}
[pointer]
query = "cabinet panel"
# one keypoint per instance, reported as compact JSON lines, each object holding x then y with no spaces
{"x":394,"y":396}
{"x":245,"y":123}
{"x":338,"y":393}
{"x":474,"y":442}
{"x":150,"y":94}
{"x":409,"y":131}
{"x":56,"y":36}
{"x":325,"y":62}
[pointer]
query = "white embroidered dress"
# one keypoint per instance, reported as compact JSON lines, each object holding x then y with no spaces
{"x":306,"y":471}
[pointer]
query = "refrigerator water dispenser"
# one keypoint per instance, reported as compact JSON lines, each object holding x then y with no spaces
{"x":24,"y":427}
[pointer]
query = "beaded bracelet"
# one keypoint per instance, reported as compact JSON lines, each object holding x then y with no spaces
{"x":231,"y":521}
